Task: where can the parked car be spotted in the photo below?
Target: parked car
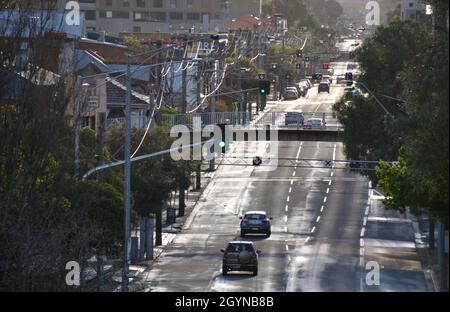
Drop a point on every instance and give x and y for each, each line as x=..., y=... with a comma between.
x=255, y=222
x=306, y=82
x=314, y=123
x=240, y=256
x=324, y=86
x=290, y=94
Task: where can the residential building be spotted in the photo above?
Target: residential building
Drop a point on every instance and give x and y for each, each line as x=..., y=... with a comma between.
x=412, y=10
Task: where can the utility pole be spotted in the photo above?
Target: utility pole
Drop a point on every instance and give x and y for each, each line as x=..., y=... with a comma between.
x=100, y=129
x=183, y=87
x=127, y=199
x=77, y=126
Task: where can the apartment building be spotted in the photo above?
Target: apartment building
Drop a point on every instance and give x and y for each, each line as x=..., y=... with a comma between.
x=169, y=16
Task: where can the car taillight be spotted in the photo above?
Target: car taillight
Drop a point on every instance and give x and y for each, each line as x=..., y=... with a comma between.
x=265, y=221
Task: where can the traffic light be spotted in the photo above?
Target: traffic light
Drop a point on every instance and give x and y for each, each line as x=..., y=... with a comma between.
x=299, y=53
x=264, y=87
x=257, y=161
x=326, y=66
x=223, y=143
x=298, y=66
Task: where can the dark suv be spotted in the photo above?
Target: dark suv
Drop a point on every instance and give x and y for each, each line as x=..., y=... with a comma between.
x=324, y=87
x=255, y=222
x=240, y=256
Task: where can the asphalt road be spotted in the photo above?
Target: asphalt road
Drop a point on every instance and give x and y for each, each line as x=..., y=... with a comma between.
x=318, y=220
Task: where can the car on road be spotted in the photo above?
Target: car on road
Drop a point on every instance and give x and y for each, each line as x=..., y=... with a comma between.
x=307, y=82
x=341, y=79
x=317, y=77
x=324, y=86
x=255, y=222
x=327, y=77
x=290, y=94
x=293, y=88
x=240, y=256
x=314, y=124
x=295, y=118
x=302, y=88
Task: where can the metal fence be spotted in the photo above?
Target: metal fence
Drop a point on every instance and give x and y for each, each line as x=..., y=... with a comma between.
x=277, y=120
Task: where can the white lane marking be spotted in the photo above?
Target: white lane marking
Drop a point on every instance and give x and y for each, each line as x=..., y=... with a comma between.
x=367, y=211
x=334, y=155
x=285, y=229
x=290, y=190
x=292, y=182
x=329, y=183
x=365, y=221
x=368, y=201
x=293, y=174
x=361, y=242
x=313, y=229
x=325, y=199
x=286, y=208
x=328, y=190
x=285, y=218
x=287, y=248
x=318, y=219
x=307, y=239
x=321, y=208
x=370, y=184
x=288, y=198
x=361, y=252
x=332, y=173
x=363, y=230
x=299, y=151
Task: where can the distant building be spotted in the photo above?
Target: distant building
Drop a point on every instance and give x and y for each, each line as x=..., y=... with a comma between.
x=412, y=10
x=173, y=16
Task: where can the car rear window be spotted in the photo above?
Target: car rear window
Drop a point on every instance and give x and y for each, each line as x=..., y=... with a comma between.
x=239, y=248
x=254, y=217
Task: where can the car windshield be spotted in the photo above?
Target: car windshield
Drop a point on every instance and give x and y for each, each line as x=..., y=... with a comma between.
x=239, y=248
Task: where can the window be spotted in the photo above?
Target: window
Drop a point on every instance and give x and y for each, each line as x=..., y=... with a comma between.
x=189, y=4
x=223, y=4
x=411, y=4
x=193, y=16
x=157, y=16
x=126, y=3
x=137, y=29
x=140, y=3
x=90, y=15
x=138, y=16
x=173, y=4
x=108, y=2
x=158, y=4
x=176, y=16
x=115, y=14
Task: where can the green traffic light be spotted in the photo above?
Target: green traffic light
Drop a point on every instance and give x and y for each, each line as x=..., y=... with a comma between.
x=222, y=144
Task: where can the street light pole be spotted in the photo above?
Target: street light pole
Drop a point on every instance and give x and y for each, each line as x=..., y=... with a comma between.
x=127, y=199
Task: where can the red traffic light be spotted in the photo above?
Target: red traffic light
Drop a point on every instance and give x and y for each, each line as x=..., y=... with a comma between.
x=326, y=66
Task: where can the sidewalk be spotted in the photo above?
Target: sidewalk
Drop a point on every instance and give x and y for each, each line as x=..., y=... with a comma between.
x=393, y=241
x=169, y=232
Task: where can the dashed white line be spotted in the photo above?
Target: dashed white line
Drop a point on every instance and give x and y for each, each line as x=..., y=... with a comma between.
x=365, y=221
x=318, y=219
x=367, y=211
x=370, y=184
x=332, y=173
x=293, y=174
x=321, y=208
x=285, y=229
x=313, y=229
x=292, y=182
x=325, y=199
x=368, y=201
x=307, y=239
x=287, y=248
x=361, y=242
x=328, y=190
x=286, y=208
x=329, y=183
x=285, y=218
x=290, y=190
x=288, y=198
x=363, y=230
